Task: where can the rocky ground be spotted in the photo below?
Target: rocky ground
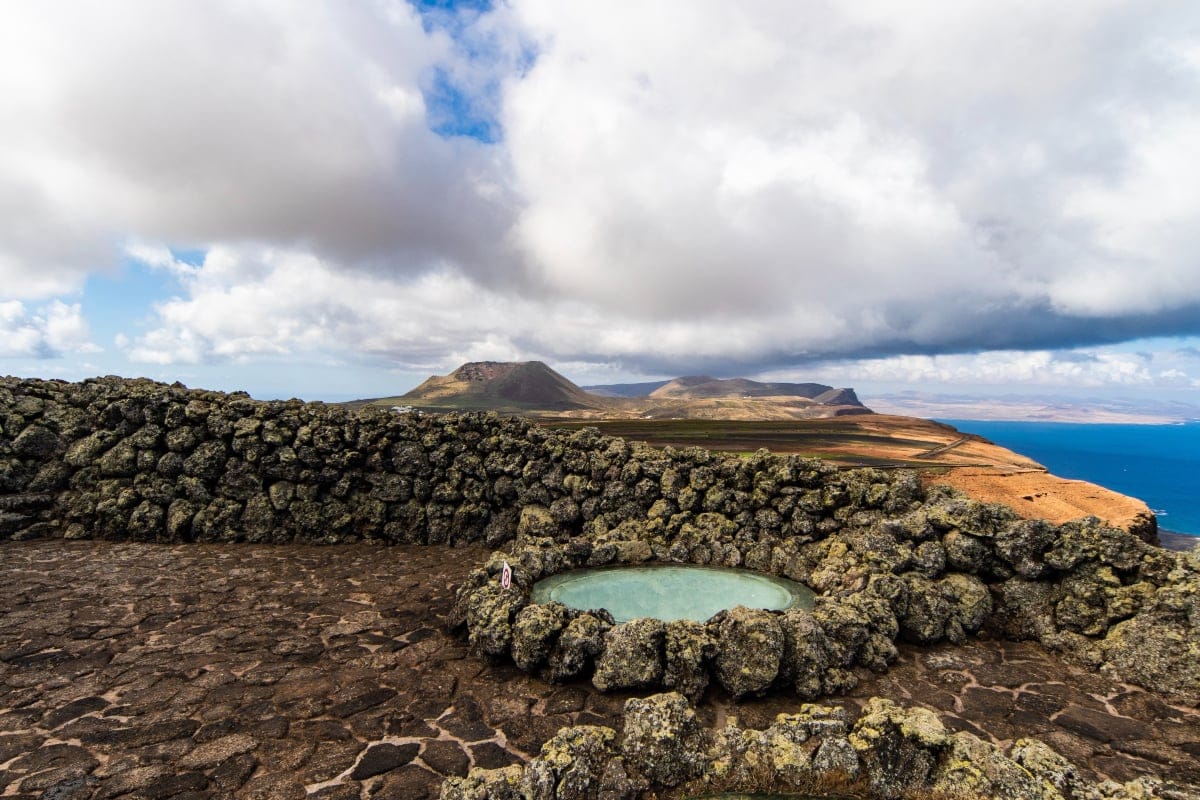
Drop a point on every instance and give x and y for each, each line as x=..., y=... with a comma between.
x=193, y=671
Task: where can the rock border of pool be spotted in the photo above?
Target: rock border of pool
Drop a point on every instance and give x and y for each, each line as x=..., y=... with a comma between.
x=1103, y=596
x=746, y=651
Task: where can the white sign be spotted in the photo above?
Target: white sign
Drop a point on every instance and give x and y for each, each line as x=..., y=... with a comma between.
x=506, y=576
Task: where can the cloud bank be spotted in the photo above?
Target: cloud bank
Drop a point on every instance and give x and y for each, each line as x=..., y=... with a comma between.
x=50, y=331
x=1077, y=369
x=215, y=122
x=680, y=187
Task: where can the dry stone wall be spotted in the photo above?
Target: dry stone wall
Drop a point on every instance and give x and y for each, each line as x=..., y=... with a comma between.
x=136, y=460
x=890, y=752
x=132, y=459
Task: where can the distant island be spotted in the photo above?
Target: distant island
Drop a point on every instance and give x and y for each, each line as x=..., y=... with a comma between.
x=533, y=388
x=1032, y=408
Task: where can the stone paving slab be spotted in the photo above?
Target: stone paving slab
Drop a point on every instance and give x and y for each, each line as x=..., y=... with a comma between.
x=243, y=671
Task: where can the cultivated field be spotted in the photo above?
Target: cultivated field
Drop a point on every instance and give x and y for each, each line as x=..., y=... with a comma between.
x=867, y=440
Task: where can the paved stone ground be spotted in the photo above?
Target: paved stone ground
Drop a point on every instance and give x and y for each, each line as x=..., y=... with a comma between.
x=239, y=671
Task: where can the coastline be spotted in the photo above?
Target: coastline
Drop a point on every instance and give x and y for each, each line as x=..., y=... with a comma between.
x=1031, y=410
x=1154, y=464
x=1040, y=494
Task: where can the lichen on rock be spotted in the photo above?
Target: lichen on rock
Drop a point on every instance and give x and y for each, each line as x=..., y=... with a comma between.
x=632, y=657
x=534, y=631
x=891, y=752
x=898, y=747
x=688, y=648
x=663, y=740
x=749, y=651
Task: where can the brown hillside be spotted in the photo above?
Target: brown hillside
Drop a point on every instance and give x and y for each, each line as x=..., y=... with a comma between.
x=535, y=389
x=528, y=385
x=1041, y=495
x=702, y=387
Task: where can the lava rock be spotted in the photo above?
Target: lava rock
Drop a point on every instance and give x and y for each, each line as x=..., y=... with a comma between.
x=688, y=649
x=897, y=747
x=632, y=656
x=663, y=740
x=750, y=644
x=384, y=757
x=534, y=631
x=581, y=640
x=570, y=764
x=976, y=767
x=490, y=614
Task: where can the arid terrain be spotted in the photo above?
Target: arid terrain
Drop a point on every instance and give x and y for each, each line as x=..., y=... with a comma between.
x=1035, y=409
x=276, y=672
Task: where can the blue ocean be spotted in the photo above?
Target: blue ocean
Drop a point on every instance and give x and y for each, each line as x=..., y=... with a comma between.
x=1159, y=464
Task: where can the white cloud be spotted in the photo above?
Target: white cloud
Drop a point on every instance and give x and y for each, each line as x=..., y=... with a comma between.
x=1076, y=368
x=50, y=331
x=246, y=303
x=679, y=186
x=195, y=123
x=1142, y=223
x=243, y=305
x=927, y=175
x=160, y=257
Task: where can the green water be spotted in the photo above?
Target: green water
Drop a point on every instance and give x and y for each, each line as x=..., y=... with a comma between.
x=670, y=591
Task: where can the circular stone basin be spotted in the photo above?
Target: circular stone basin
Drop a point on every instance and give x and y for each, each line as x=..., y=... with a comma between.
x=670, y=591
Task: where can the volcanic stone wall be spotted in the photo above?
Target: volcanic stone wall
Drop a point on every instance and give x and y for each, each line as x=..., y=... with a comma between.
x=137, y=460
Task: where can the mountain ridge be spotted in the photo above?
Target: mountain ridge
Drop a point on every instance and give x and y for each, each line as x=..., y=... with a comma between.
x=696, y=387
x=533, y=387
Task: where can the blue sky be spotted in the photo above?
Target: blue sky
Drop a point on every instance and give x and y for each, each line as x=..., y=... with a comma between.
x=334, y=201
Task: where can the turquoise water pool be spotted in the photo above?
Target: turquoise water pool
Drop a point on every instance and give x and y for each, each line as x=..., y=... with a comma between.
x=670, y=591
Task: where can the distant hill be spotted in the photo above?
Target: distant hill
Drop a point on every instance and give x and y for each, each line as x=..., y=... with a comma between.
x=531, y=387
x=625, y=389
x=702, y=387
x=500, y=385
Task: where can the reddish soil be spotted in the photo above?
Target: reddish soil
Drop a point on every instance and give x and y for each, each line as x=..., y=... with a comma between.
x=1040, y=495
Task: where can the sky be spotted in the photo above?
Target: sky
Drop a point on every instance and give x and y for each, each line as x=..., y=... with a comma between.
x=332, y=200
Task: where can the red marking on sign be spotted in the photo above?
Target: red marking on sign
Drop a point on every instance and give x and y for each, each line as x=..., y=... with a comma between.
x=506, y=576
